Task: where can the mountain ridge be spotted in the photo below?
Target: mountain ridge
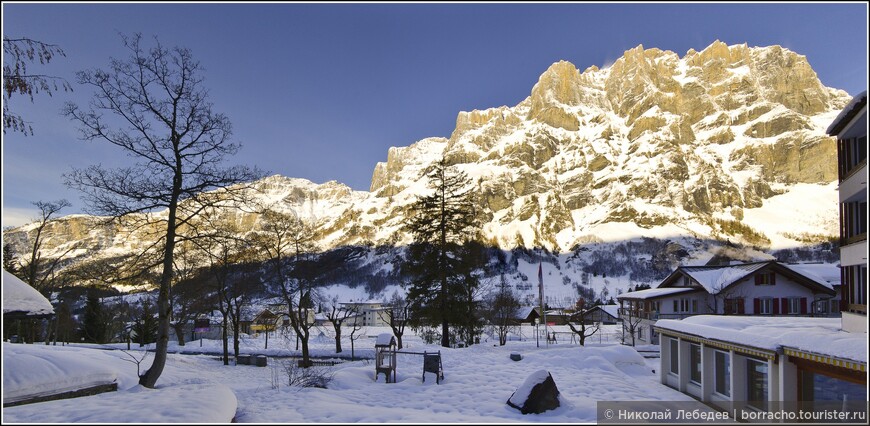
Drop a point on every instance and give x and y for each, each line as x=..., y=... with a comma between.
x=652, y=146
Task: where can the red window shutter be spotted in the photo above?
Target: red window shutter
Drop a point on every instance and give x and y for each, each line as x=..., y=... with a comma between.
x=775, y=304
x=740, y=308
x=772, y=278
x=757, y=279
x=728, y=304
x=803, y=305
x=756, y=304
x=784, y=305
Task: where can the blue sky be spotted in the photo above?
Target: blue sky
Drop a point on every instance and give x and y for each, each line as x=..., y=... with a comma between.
x=321, y=91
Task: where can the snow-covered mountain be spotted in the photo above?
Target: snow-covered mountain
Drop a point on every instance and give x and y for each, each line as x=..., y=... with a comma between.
x=722, y=146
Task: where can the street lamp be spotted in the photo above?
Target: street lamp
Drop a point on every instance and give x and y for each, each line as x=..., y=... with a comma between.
x=537, y=321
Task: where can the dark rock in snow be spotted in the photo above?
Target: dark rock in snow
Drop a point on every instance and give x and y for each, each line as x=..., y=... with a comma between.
x=536, y=395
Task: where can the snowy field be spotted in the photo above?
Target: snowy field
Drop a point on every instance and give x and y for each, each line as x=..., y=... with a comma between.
x=478, y=382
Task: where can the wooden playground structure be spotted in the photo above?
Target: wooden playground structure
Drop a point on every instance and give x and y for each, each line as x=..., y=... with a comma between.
x=386, y=360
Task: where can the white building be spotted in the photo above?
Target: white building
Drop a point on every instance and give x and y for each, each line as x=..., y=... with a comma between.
x=850, y=128
x=757, y=288
x=758, y=361
x=371, y=313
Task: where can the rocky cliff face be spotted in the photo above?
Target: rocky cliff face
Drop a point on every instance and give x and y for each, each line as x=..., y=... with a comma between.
x=706, y=146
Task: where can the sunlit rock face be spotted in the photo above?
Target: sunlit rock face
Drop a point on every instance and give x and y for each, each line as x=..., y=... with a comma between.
x=653, y=141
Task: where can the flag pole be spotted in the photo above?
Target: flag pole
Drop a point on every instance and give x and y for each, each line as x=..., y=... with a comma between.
x=541, y=298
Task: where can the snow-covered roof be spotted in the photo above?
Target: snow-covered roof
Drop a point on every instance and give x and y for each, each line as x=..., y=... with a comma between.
x=20, y=298
x=847, y=114
x=368, y=302
x=612, y=310
x=384, y=339
x=823, y=273
x=715, y=278
x=524, y=311
x=822, y=336
x=655, y=292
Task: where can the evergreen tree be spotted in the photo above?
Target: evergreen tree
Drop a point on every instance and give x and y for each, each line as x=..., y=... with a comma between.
x=94, y=322
x=438, y=262
x=145, y=326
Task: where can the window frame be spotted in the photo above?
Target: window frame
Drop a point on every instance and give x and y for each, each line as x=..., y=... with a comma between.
x=726, y=356
x=765, y=302
x=695, y=365
x=750, y=391
x=794, y=306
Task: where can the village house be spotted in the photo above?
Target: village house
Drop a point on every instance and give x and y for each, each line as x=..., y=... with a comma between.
x=754, y=288
x=764, y=362
x=527, y=315
x=604, y=314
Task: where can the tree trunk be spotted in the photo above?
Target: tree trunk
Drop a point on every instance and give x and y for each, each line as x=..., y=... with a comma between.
x=306, y=356
x=337, y=337
x=179, y=333
x=149, y=379
x=225, y=338
x=236, y=332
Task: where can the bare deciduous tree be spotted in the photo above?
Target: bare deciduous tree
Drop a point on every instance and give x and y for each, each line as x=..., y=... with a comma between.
x=396, y=315
x=337, y=315
x=287, y=241
x=502, y=307
x=585, y=327
x=161, y=117
x=18, y=80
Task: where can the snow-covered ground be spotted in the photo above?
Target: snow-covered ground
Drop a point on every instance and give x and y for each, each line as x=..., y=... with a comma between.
x=478, y=382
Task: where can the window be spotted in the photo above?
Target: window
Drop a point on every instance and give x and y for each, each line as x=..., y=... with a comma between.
x=856, y=282
x=676, y=305
x=822, y=306
x=734, y=306
x=819, y=387
x=765, y=306
x=756, y=383
x=695, y=362
x=765, y=279
x=675, y=356
x=794, y=305
x=852, y=152
x=722, y=373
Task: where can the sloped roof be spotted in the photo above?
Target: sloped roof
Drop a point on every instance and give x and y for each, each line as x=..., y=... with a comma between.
x=524, y=311
x=846, y=115
x=384, y=339
x=825, y=274
x=612, y=310
x=715, y=278
x=20, y=299
x=655, y=292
